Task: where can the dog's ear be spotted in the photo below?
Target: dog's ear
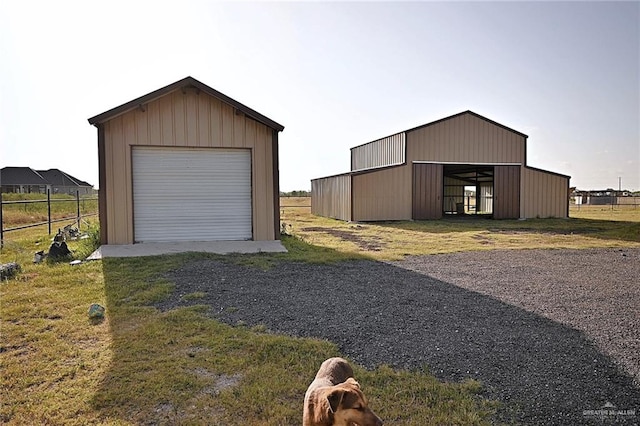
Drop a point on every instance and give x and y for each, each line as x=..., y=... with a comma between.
x=353, y=382
x=335, y=398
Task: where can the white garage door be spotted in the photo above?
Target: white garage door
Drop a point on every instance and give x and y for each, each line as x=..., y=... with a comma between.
x=191, y=194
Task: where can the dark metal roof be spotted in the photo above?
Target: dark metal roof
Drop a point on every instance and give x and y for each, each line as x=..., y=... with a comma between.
x=28, y=176
x=178, y=85
x=59, y=178
x=21, y=176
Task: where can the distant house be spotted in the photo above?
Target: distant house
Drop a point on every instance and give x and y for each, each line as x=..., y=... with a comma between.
x=25, y=180
x=63, y=183
x=600, y=197
x=22, y=180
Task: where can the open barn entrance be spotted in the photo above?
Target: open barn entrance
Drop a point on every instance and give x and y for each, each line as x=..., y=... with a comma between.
x=468, y=190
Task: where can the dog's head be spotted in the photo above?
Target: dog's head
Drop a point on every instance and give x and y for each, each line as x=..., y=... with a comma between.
x=348, y=406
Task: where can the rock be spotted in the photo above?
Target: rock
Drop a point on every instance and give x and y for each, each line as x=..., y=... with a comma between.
x=8, y=270
x=96, y=311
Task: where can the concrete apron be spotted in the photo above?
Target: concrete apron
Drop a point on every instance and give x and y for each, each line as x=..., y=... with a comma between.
x=218, y=247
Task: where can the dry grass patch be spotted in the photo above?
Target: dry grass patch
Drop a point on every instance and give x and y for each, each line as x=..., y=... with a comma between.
x=615, y=213
x=144, y=366
x=395, y=240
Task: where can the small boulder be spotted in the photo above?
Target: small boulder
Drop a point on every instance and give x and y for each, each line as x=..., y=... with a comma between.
x=8, y=270
x=96, y=311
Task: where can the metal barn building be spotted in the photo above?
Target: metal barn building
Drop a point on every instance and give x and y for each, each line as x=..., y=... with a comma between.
x=187, y=163
x=460, y=165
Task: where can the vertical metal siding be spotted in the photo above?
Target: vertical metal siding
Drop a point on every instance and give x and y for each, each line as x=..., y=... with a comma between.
x=427, y=191
x=506, y=199
x=465, y=139
x=380, y=153
x=544, y=194
x=169, y=122
x=331, y=197
x=382, y=194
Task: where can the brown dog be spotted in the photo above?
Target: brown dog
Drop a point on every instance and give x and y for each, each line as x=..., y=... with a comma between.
x=334, y=398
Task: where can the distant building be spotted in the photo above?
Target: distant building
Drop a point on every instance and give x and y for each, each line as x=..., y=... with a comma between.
x=25, y=180
x=460, y=165
x=599, y=197
x=63, y=183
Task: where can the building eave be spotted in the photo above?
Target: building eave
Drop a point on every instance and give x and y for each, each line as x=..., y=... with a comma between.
x=180, y=85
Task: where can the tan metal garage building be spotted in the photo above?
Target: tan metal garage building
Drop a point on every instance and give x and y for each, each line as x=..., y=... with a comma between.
x=460, y=165
x=187, y=163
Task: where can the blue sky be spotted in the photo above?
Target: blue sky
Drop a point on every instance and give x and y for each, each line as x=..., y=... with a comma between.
x=336, y=75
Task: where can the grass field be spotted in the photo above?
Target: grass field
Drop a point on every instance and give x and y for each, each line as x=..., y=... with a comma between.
x=62, y=206
x=143, y=366
x=586, y=228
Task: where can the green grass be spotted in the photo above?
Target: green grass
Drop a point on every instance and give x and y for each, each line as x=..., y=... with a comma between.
x=588, y=228
x=144, y=366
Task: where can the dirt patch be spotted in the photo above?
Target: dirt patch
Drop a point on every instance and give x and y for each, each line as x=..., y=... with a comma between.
x=221, y=382
x=371, y=243
x=483, y=239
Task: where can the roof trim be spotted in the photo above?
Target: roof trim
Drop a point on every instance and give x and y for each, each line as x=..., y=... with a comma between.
x=185, y=82
x=548, y=172
x=362, y=171
x=475, y=115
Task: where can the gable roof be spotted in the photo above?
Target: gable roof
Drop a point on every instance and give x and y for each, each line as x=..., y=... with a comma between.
x=445, y=119
x=59, y=178
x=181, y=84
x=21, y=176
x=473, y=114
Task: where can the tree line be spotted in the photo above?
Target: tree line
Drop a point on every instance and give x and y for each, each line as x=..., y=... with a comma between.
x=299, y=193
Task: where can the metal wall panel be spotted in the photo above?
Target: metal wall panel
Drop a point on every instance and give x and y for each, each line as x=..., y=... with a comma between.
x=185, y=119
x=506, y=196
x=382, y=194
x=331, y=197
x=191, y=194
x=544, y=194
x=383, y=152
x=427, y=191
x=465, y=139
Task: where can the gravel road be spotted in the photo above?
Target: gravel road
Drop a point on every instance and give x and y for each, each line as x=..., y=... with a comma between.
x=553, y=334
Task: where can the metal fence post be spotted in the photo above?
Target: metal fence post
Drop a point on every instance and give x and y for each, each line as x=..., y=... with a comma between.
x=1, y=225
x=49, y=209
x=78, y=205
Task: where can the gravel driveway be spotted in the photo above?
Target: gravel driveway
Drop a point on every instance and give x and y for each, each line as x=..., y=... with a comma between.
x=550, y=333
